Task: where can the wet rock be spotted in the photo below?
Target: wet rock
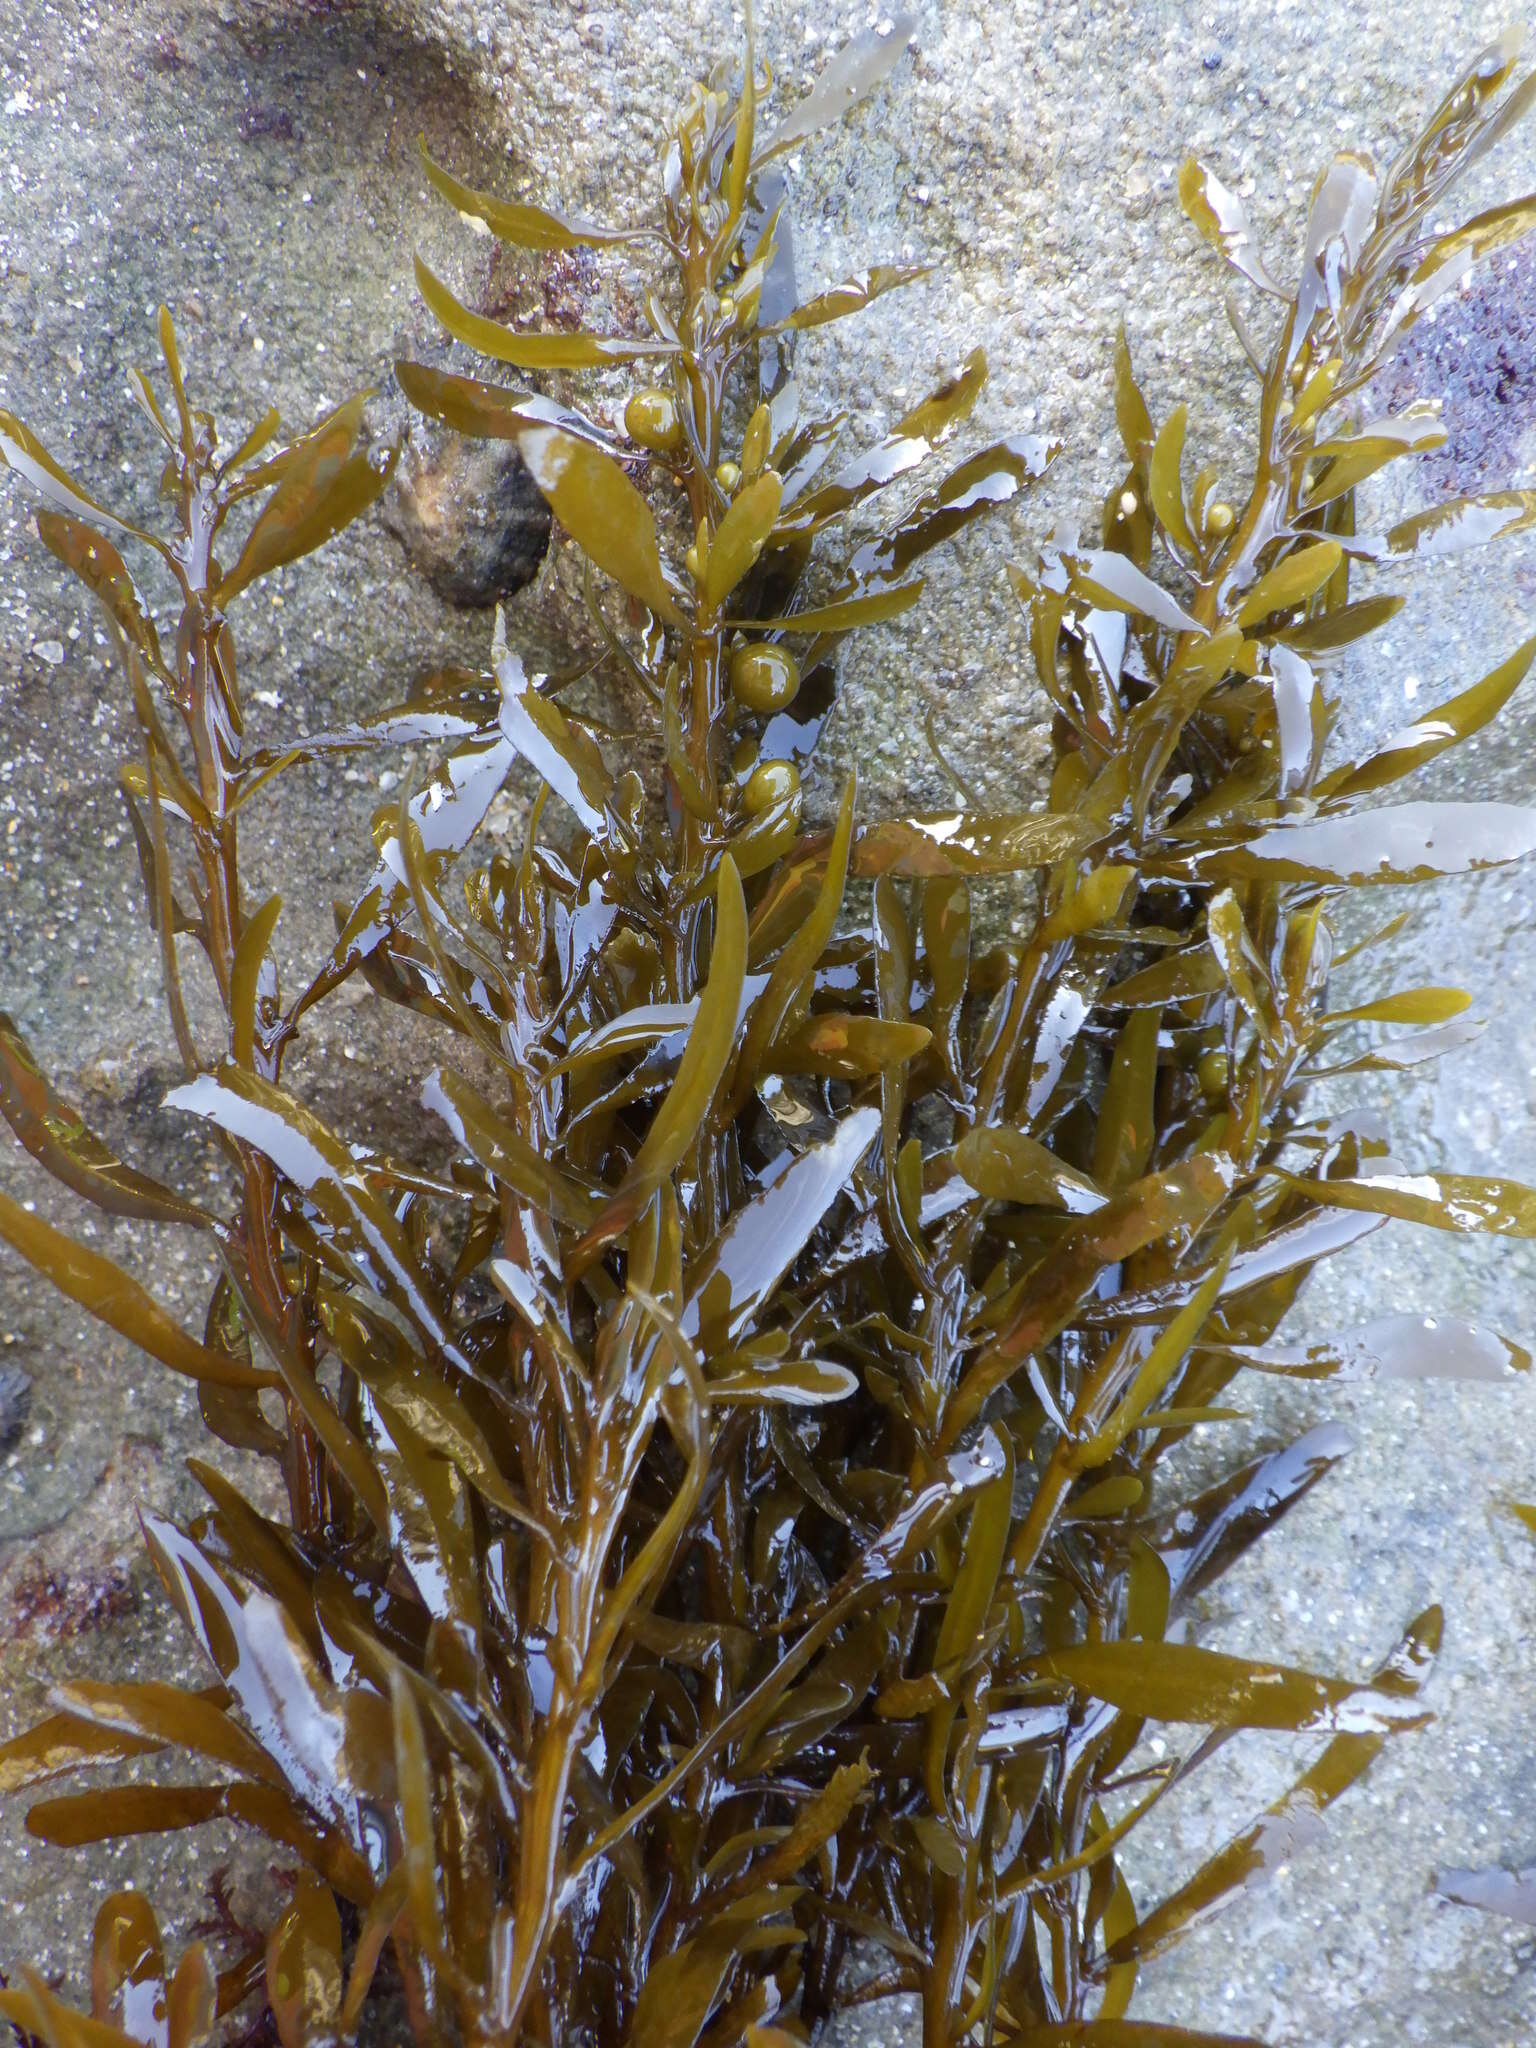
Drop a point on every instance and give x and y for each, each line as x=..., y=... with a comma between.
x=469, y=518
x=78, y=1577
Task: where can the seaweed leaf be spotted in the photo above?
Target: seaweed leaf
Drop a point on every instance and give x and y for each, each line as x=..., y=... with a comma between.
x=557, y=351
x=527, y=227
x=22, y=453
x=1222, y=218
x=489, y=411
x=710, y=1038
x=1252, y=1857
x=598, y=505
x=325, y=486
x=852, y=75
x=1181, y=1682
x=855, y=293
x=54, y=1132
x=1445, y=1201
x=116, y=1299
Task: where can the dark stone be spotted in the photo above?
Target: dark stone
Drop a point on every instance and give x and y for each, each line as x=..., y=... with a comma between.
x=260, y=120
x=469, y=517
x=15, y=1405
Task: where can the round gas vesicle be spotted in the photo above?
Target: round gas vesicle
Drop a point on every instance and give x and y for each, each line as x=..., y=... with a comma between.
x=769, y=784
x=651, y=419
x=764, y=677
x=1212, y=1074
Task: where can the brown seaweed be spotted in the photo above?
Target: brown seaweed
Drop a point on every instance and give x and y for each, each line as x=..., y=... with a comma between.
x=719, y=1524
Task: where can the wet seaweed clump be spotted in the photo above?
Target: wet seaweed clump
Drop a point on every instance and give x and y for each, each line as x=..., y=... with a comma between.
x=720, y=1540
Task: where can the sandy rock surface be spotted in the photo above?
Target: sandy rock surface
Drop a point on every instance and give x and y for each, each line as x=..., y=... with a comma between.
x=252, y=165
